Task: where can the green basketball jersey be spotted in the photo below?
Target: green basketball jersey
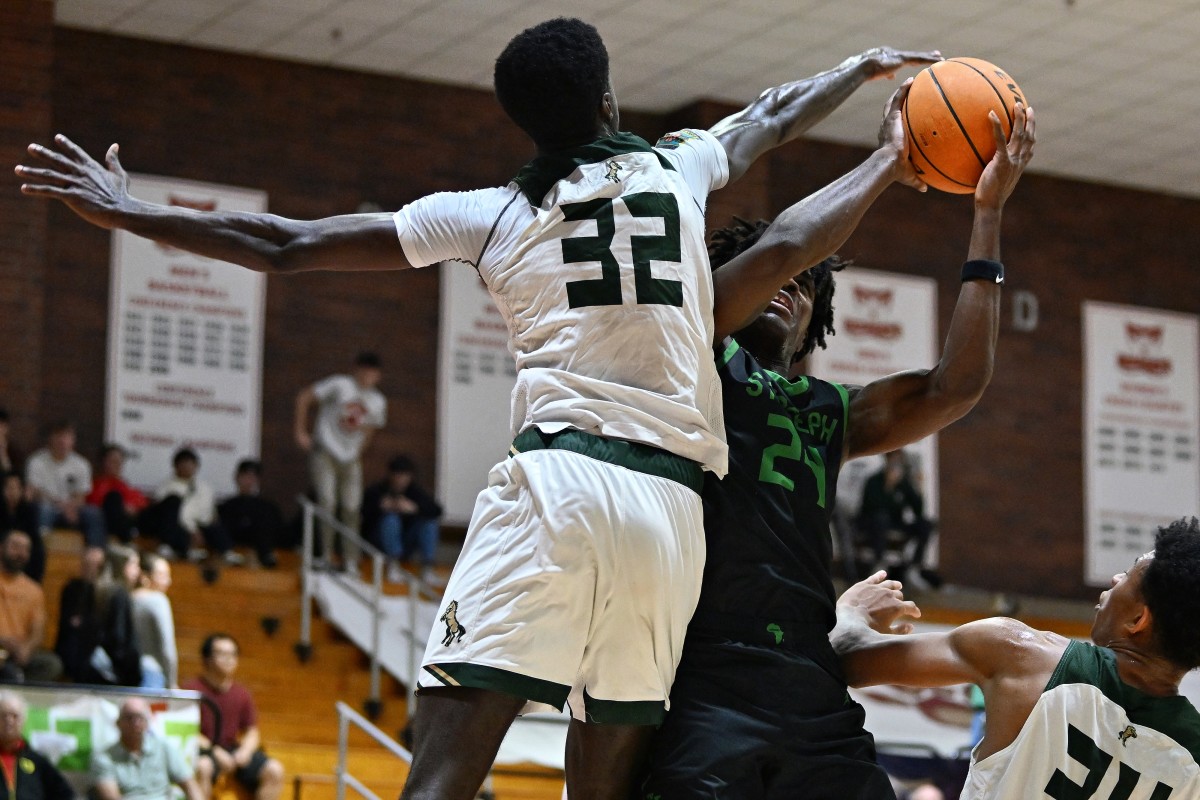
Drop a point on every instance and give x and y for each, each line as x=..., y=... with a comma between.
x=1091, y=735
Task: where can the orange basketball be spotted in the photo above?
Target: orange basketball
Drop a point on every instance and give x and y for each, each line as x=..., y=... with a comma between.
x=946, y=113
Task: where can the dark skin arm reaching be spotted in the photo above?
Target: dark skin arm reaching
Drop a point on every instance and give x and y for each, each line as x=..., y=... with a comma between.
x=903, y=408
x=809, y=231
x=260, y=242
x=781, y=114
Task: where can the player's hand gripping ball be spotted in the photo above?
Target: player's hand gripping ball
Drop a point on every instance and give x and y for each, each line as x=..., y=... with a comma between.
x=949, y=134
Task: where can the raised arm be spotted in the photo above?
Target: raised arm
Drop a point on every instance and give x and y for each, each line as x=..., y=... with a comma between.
x=811, y=230
x=781, y=114
x=903, y=408
x=261, y=242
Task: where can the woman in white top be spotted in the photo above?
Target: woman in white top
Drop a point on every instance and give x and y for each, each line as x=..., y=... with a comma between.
x=154, y=622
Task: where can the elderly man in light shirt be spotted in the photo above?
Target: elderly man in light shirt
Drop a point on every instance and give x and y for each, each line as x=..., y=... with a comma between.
x=141, y=765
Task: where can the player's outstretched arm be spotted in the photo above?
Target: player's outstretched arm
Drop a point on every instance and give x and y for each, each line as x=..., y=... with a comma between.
x=903, y=408
x=261, y=242
x=811, y=230
x=784, y=112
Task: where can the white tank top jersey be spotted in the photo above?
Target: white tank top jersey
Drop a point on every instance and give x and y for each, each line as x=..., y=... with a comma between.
x=1091, y=735
x=597, y=261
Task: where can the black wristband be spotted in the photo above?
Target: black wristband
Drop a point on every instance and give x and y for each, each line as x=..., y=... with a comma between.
x=981, y=269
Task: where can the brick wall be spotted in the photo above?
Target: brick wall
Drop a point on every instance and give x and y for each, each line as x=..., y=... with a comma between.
x=321, y=141
x=26, y=56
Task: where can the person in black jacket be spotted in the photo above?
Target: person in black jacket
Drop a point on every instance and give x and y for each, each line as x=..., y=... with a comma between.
x=28, y=775
x=892, y=501
x=18, y=514
x=401, y=519
x=251, y=518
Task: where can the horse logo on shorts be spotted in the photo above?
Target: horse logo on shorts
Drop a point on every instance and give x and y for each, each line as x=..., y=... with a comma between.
x=454, y=629
x=1130, y=732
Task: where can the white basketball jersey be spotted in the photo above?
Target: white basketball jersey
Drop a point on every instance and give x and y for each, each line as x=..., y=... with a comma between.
x=597, y=261
x=1091, y=735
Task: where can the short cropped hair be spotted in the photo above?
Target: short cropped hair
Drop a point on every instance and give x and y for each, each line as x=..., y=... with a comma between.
x=206, y=647
x=551, y=79
x=726, y=243
x=369, y=359
x=401, y=464
x=184, y=454
x=1171, y=589
x=249, y=465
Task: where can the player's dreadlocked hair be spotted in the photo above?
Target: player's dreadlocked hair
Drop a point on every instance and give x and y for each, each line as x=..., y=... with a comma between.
x=551, y=79
x=1171, y=588
x=725, y=243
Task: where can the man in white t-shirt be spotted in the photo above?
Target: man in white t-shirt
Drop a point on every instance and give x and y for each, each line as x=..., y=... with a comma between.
x=582, y=562
x=59, y=479
x=349, y=410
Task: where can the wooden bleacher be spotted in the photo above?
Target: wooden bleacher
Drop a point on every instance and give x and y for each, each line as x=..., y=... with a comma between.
x=295, y=701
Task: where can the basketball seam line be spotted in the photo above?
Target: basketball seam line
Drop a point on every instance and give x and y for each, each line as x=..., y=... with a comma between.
x=999, y=95
x=913, y=142
x=958, y=121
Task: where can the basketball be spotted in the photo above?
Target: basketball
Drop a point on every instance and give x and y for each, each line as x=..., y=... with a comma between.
x=946, y=114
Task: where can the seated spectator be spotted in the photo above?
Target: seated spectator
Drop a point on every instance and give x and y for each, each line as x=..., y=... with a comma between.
x=22, y=617
x=118, y=501
x=12, y=459
x=59, y=479
x=891, y=501
x=28, y=775
x=235, y=748
x=141, y=765
x=17, y=513
x=184, y=515
x=117, y=659
x=401, y=519
x=154, y=622
x=78, y=635
x=249, y=517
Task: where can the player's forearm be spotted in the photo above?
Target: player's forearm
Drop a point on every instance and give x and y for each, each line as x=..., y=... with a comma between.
x=782, y=113
x=852, y=639
x=800, y=237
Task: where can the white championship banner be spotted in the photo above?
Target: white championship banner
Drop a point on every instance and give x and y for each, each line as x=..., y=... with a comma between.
x=476, y=375
x=185, y=343
x=68, y=725
x=1141, y=427
x=885, y=323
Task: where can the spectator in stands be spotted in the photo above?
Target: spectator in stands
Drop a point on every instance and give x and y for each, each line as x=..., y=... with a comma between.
x=28, y=775
x=401, y=518
x=78, y=634
x=251, y=518
x=59, y=479
x=22, y=617
x=236, y=747
x=18, y=513
x=349, y=410
x=118, y=501
x=892, y=501
x=184, y=514
x=141, y=765
x=117, y=659
x=12, y=459
x=154, y=621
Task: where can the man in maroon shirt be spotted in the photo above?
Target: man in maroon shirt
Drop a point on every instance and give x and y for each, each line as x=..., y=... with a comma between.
x=235, y=747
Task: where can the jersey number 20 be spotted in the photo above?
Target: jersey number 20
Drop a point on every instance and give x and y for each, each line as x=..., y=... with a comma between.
x=606, y=290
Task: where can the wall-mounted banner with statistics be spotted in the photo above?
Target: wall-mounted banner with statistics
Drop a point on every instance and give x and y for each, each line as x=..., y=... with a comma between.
x=185, y=345
x=476, y=375
x=886, y=323
x=1141, y=430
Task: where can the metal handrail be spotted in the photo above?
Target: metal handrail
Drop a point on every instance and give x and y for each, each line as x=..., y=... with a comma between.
x=346, y=717
x=417, y=589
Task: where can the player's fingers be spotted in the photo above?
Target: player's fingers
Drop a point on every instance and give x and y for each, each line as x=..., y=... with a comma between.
x=902, y=628
x=998, y=132
x=878, y=577
x=893, y=585
x=54, y=157
x=47, y=175
x=911, y=609
x=44, y=190
x=72, y=149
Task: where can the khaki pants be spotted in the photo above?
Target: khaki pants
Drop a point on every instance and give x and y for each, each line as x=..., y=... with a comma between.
x=339, y=491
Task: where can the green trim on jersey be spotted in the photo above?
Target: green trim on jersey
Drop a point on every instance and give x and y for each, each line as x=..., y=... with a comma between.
x=1097, y=666
x=537, y=178
x=845, y=404
x=481, y=676
x=644, y=458
x=730, y=352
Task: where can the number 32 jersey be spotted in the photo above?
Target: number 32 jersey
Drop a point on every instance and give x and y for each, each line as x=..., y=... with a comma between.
x=596, y=259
